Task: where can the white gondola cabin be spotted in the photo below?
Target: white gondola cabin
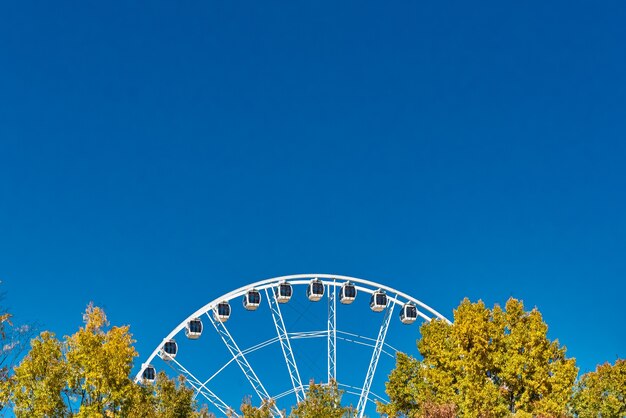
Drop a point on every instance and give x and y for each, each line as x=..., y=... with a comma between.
x=347, y=293
x=378, y=301
x=193, y=329
x=283, y=292
x=315, y=290
x=149, y=374
x=222, y=311
x=169, y=350
x=252, y=300
x=408, y=315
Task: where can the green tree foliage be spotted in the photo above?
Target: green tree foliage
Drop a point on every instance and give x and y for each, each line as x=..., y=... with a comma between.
x=602, y=393
x=488, y=363
x=88, y=375
x=322, y=401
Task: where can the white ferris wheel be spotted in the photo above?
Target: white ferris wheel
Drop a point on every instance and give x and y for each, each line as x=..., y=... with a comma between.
x=221, y=371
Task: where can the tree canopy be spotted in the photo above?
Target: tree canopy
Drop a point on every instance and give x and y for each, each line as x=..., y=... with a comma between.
x=38, y=386
x=602, y=393
x=88, y=375
x=487, y=363
x=250, y=411
x=13, y=339
x=322, y=400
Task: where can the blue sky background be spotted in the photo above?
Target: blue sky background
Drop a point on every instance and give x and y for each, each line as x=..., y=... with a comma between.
x=155, y=155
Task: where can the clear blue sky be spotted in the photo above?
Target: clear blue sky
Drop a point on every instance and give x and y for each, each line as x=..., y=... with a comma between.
x=448, y=149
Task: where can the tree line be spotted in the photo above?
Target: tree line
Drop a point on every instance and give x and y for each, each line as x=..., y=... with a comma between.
x=489, y=362
x=499, y=363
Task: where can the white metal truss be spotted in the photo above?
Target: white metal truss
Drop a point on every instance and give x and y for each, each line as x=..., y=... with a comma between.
x=352, y=390
x=330, y=280
x=371, y=370
x=332, y=332
x=365, y=286
x=285, y=344
x=201, y=388
x=214, y=399
x=238, y=355
x=299, y=335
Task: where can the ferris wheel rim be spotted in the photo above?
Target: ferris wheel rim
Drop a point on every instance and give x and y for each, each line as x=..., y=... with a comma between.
x=329, y=279
x=332, y=282
x=295, y=279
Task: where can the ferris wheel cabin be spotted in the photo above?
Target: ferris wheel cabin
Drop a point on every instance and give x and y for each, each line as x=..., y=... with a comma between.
x=252, y=300
x=149, y=374
x=283, y=292
x=169, y=350
x=222, y=311
x=408, y=315
x=315, y=290
x=193, y=329
x=378, y=301
x=347, y=295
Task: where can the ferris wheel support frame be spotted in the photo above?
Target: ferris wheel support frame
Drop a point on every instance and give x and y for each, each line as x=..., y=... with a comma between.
x=371, y=370
x=331, y=281
x=285, y=344
x=201, y=389
x=241, y=359
x=332, y=332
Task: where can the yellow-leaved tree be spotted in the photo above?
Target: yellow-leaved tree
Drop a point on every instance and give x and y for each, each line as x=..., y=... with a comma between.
x=40, y=380
x=322, y=400
x=487, y=363
x=88, y=375
x=266, y=410
x=602, y=393
x=13, y=339
x=99, y=363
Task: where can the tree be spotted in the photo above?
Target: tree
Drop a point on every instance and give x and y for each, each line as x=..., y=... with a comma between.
x=173, y=398
x=141, y=403
x=4, y=384
x=488, y=363
x=602, y=393
x=403, y=387
x=99, y=364
x=322, y=400
x=39, y=381
x=433, y=410
x=263, y=411
x=168, y=398
x=13, y=339
x=88, y=375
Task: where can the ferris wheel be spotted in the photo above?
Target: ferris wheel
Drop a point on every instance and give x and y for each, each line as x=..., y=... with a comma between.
x=211, y=370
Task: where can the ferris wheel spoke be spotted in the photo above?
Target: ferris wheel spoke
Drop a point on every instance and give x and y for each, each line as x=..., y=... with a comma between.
x=201, y=388
x=392, y=355
x=215, y=400
x=342, y=288
x=371, y=370
x=332, y=332
x=241, y=360
x=373, y=397
x=285, y=344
